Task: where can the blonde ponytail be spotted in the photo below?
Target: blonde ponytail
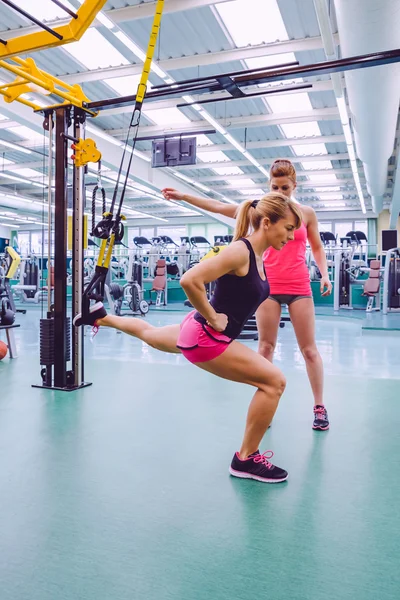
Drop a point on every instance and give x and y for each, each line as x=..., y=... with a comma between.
x=243, y=220
x=273, y=206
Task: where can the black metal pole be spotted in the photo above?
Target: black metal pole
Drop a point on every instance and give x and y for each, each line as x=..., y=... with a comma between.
x=60, y=249
x=77, y=254
x=250, y=78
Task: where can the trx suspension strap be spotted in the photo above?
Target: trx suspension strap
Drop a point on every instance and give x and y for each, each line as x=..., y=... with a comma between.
x=111, y=229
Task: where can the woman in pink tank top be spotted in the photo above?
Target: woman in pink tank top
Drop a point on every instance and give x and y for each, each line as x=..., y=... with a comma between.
x=289, y=281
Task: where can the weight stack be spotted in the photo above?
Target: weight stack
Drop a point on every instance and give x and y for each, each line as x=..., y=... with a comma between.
x=47, y=341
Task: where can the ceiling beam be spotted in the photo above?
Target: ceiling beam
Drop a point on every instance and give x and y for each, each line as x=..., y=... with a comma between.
x=320, y=139
x=263, y=161
x=198, y=60
x=317, y=114
x=318, y=86
x=259, y=175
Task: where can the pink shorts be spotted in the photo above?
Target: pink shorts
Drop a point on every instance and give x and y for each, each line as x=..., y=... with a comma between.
x=200, y=343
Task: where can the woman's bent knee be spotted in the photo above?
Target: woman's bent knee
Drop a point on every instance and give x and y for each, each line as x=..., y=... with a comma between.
x=310, y=353
x=266, y=349
x=275, y=383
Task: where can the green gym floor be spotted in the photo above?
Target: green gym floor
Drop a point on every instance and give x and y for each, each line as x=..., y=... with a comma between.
x=121, y=491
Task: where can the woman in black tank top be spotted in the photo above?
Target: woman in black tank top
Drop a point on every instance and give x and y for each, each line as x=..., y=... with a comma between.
x=211, y=330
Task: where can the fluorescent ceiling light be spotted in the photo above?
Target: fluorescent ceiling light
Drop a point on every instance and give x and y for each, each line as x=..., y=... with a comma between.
x=28, y=173
x=27, y=134
x=158, y=71
x=286, y=103
x=5, y=161
x=101, y=17
x=214, y=156
x=20, y=179
x=103, y=134
x=134, y=48
x=234, y=143
x=251, y=23
x=244, y=182
x=322, y=178
x=316, y=165
x=126, y=86
x=95, y=52
x=309, y=149
x=296, y=130
x=213, y=122
x=332, y=188
x=166, y=116
x=201, y=186
x=203, y=140
x=228, y=171
x=255, y=192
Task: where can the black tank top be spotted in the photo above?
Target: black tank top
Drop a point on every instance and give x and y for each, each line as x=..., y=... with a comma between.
x=238, y=297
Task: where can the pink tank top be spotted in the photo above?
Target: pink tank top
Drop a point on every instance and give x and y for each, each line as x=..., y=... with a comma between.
x=286, y=269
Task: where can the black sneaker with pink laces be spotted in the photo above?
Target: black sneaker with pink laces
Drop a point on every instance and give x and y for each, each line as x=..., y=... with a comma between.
x=257, y=466
x=96, y=311
x=321, y=421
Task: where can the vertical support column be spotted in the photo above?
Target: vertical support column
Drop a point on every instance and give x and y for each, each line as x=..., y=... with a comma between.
x=60, y=249
x=77, y=256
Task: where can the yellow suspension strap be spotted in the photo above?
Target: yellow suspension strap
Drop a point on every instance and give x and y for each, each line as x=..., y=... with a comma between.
x=110, y=229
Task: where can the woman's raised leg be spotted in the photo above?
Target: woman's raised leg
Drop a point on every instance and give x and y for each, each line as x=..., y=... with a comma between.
x=161, y=338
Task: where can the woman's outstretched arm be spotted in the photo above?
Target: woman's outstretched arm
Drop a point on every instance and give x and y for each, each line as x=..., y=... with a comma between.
x=214, y=206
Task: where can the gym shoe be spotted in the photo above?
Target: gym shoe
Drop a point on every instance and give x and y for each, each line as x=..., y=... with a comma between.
x=96, y=311
x=321, y=421
x=257, y=466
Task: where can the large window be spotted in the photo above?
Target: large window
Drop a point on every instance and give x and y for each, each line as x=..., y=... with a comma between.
x=361, y=226
x=132, y=233
x=24, y=242
x=342, y=228
x=36, y=242
x=148, y=232
x=175, y=233
x=325, y=226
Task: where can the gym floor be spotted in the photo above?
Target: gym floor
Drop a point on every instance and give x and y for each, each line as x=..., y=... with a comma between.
x=121, y=490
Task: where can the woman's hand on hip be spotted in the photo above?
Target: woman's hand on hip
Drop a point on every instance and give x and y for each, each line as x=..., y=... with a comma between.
x=326, y=286
x=219, y=322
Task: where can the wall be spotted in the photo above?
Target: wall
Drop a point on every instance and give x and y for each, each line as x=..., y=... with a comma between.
x=5, y=232
x=383, y=223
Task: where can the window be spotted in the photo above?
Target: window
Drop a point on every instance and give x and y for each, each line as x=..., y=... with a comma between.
x=342, y=228
x=361, y=226
x=24, y=242
x=175, y=233
x=36, y=243
x=132, y=233
x=147, y=232
x=214, y=230
x=325, y=226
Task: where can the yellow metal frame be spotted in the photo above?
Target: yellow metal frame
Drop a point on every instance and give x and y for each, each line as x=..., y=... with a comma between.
x=71, y=32
x=15, y=261
x=31, y=79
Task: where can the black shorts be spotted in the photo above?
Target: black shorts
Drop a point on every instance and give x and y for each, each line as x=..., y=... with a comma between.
x=287, y=298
